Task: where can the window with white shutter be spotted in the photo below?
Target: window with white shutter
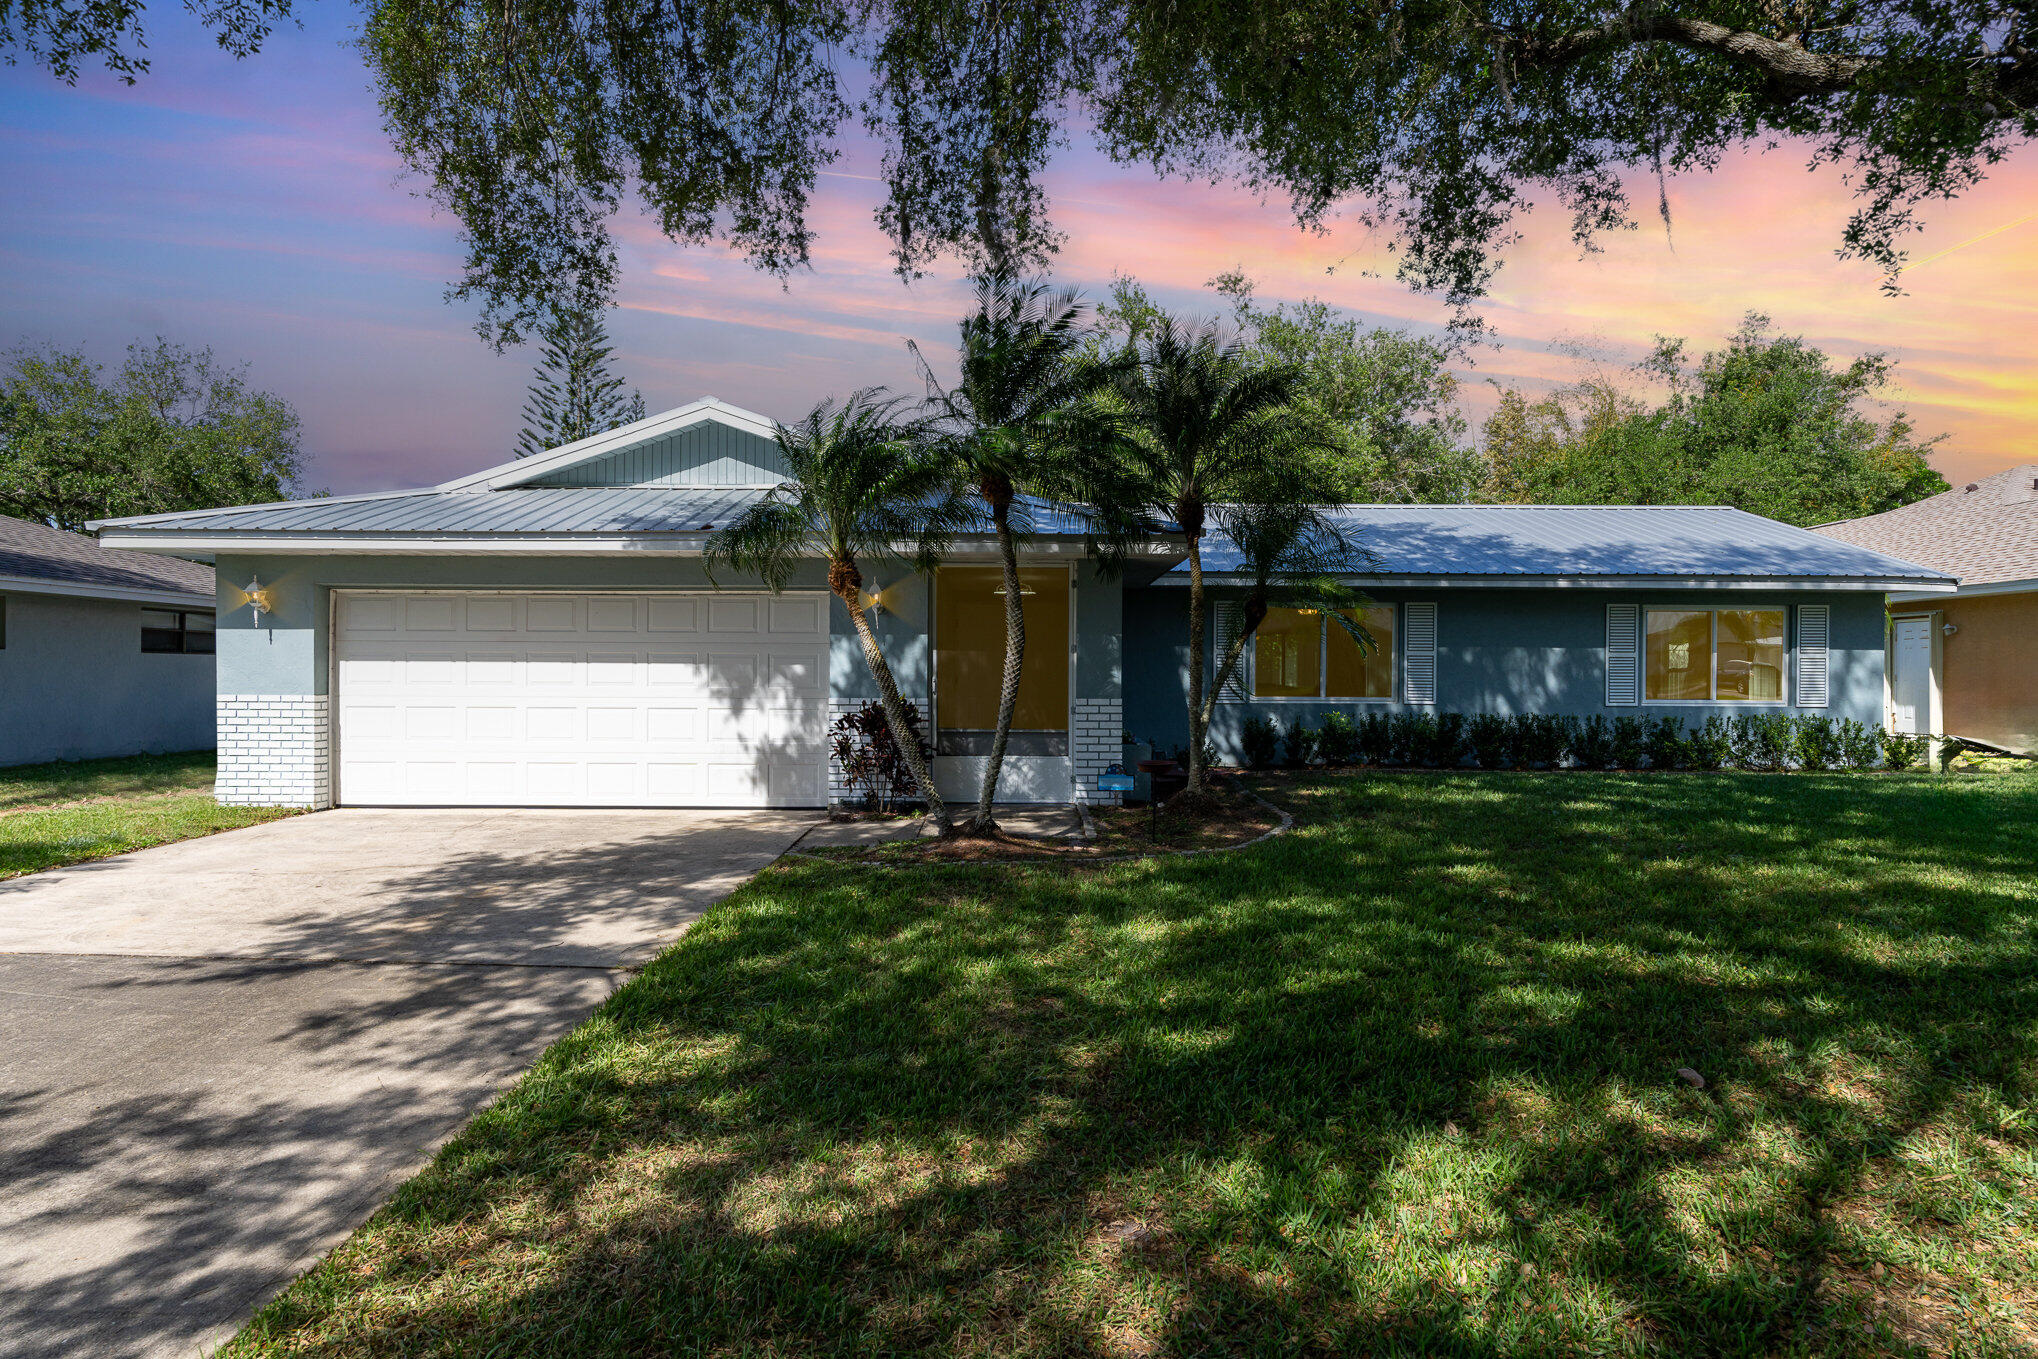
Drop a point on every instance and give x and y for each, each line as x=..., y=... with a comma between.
x=1419, y=653
x=1227, y=616
x=1623, y=655
x=1814, y=633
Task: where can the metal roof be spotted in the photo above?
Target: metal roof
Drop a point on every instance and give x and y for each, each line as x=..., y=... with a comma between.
x=1571, y=541
x=547, y=511
x=1983, y=531
x=32, y=552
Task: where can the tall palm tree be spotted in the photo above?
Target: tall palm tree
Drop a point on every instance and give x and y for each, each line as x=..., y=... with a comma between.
x=1212, y=427
x=1294, y=555
x=1021, y=418
x=862, y=485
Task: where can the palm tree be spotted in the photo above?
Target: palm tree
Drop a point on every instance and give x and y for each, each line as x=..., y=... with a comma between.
x=863, y=485
x=1291, y=554
x=1212, y=427
x=1021, y=418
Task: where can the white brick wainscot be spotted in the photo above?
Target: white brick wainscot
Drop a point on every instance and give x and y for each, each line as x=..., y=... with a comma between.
x=1096, y=743
x=274, y=751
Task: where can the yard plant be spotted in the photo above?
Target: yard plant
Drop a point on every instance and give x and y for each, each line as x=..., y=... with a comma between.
x=1407, y=1080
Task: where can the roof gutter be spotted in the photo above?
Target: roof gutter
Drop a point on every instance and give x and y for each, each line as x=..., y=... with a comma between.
x=33, y=585
x=286, y=541
x=1911, y=595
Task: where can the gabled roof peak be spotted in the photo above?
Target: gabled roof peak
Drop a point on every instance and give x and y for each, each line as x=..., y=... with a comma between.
x=520, y=471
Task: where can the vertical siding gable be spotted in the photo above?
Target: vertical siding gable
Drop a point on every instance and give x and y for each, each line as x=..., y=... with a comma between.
x=707, y=454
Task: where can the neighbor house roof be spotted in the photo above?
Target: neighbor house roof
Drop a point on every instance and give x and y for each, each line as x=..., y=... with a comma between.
x=38, y=559
x=1601, y=545
x=1985, y=532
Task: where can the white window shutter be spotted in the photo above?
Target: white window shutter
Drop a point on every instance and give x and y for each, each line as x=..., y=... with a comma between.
x=1814, y=637
x=1419, y=653
x=1228, y=616
x=1623, y=655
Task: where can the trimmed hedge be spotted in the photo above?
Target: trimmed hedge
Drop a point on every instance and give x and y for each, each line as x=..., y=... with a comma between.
x=1770, y=742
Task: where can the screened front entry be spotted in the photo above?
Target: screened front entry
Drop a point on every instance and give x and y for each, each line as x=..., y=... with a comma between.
x=969, y=668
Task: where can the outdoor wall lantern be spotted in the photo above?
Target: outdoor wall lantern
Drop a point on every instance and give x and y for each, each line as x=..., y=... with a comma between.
x=256, y=596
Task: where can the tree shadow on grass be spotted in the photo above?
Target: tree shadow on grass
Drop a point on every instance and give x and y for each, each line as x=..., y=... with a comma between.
x=1401, y=1082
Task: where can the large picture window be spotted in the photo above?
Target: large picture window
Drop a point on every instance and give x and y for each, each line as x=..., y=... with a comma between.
x=1714, y=656
x=1303, y=653
x=969, y=660
x=175, y=630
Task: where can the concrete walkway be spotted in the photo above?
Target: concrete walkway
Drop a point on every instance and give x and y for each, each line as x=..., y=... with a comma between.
x=221, y=1055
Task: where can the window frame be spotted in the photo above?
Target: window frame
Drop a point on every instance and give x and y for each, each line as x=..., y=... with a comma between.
x=1249, y=662
x=184, y=631
x=1712, y=613
x=932, y=714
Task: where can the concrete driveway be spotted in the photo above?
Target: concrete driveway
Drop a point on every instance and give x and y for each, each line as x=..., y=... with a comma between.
x=221, y=1055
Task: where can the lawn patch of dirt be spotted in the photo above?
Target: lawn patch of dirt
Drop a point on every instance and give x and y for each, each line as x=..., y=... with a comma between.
x=1231, y=817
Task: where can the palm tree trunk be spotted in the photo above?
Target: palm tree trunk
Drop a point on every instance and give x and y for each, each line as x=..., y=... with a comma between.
x=895, y=710
x=1199, y=722
x=1015, y=657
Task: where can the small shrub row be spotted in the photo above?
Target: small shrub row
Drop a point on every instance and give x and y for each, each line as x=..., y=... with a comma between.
x=1759, y=741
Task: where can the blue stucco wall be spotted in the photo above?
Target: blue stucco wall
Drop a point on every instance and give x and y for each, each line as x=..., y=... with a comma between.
x=1500, y=651
x=75, y=684
x=286, y=654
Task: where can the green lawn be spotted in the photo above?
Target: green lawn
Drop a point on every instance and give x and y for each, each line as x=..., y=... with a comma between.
x=65, y=813
x=1401, y=1082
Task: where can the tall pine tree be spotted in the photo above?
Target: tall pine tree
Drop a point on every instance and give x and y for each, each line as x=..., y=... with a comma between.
x=573, y=393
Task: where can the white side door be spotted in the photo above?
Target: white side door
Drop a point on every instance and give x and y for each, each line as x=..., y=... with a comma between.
x=1910, y=684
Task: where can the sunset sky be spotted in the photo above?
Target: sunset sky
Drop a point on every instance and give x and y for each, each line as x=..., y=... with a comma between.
x=256, y=207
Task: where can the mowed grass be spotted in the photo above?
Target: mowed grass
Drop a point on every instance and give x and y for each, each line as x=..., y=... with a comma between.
x=68, y=812
x=1402, y=1082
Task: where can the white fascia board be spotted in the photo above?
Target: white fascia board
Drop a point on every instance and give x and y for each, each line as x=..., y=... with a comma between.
x=522, y=470
x=24, y=585
x=1911, y=595
x=1878, y=584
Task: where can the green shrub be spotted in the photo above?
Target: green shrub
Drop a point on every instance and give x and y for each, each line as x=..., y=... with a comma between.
x=1762, y=742
x=1540, y=739
x=1592, y=742
x=1301, y=745
x=1337, y=740
x=1260, y=742
x=1664, y=743
x=1491, y=737
x=1710, y=746
x=1414, y=736
x=1859, y=747
x=1815, y=743
x=1630, y=742
x=1447, y=741
x=1903, y=752
x=1376, y=738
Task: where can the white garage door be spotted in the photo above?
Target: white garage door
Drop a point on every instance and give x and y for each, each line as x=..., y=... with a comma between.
x=595, y=700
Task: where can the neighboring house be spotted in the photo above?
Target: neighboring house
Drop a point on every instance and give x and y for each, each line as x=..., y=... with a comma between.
x=102, y=652
x=543, y=633
x=1964, y=664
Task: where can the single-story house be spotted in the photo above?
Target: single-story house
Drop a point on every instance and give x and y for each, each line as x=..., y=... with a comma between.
x=542, y=632
x=1962, y=664
x=102, y=651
